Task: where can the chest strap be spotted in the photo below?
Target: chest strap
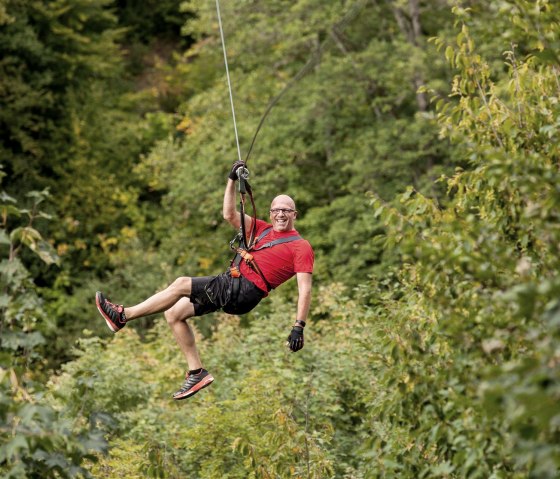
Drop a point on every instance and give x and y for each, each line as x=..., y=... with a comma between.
x=243, y=254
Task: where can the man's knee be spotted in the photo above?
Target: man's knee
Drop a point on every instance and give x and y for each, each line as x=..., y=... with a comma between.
x=170, y=317
x=182, y=285
x=173, y=316
x=182, y=311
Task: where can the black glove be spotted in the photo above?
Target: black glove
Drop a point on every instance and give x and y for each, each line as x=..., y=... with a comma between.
x=233, y=173
x=295, y=339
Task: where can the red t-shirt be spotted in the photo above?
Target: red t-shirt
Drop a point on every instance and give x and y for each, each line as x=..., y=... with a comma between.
x=280, y=262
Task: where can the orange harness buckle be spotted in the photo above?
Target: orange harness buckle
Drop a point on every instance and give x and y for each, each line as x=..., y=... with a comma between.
x=234, y=272
x=248, y=257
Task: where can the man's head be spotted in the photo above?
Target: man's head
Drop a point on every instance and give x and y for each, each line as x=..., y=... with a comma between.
x=283, y=213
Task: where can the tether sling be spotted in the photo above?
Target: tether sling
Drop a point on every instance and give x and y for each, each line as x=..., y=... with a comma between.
x=243, y=254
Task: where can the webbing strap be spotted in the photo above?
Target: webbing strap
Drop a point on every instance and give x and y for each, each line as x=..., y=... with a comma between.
x=263, y=234
x=270, y=244
x=251, y=261
x=287, y=239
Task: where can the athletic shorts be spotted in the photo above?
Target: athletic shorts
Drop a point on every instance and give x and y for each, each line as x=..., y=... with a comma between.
x=211, y=293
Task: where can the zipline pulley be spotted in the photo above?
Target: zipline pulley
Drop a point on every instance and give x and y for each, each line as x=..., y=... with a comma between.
x=243, y=175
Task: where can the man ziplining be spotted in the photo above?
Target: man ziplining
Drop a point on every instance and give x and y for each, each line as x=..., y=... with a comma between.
x=277, y=254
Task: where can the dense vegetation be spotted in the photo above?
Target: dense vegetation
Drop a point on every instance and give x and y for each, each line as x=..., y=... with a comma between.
x=422, y=149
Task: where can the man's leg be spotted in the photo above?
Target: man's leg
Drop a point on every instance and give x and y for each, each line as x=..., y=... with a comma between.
x=177, y=317
x=117, y=315
x=174, y=300
x=162, y=301
x=197, y=377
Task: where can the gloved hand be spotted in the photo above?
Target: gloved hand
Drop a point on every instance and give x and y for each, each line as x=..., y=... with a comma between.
x=295, y=339
x=233, y=173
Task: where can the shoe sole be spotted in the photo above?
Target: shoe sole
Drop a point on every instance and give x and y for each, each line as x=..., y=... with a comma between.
x=110, y=323
x=191, y=392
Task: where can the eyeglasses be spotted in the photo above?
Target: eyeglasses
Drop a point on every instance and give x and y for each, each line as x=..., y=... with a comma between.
x=276, y=211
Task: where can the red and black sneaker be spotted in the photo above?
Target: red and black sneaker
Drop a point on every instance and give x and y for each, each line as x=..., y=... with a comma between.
x=112, y=313
x=193, y=383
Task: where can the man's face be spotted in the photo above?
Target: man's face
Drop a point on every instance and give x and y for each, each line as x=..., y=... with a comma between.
x=282, y=213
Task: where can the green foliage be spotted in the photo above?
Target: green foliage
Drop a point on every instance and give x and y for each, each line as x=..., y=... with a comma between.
x=34, y=440
x=470, y=361
x=439, y=356
x=152, y=19
x=230, y=431
x=22, y=321
x=71, y=122
x=48, y=49
x=445, y=363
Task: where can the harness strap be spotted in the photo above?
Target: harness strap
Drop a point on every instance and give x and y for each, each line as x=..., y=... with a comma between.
x=263, y=234
x=243, y=254
x=270, y=244
x=236, y=272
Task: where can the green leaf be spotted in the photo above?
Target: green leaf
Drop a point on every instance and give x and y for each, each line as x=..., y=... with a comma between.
x=547, y=55
x=39, y=196
x=26, y=235
x=9, y=210
x=4, y=300
x=443, y=470
x=45, y=251
x=20, y=340
x=44, y=215
x=7, y=198
x=13, y=447
x=4, y=239
x=449, y=54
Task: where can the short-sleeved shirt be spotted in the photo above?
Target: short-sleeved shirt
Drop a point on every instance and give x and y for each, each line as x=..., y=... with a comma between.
x=280, y=262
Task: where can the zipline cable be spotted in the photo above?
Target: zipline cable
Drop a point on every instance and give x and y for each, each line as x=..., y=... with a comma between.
x=228, y=80
x=243, y=173
x=339, y=26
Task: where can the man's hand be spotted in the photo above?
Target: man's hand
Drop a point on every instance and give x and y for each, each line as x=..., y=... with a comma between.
x=295, y=339
x=233, y=173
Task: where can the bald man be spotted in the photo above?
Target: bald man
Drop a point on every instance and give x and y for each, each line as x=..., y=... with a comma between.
x=279, y=254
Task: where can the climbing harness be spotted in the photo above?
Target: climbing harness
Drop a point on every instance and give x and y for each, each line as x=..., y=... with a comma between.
x=244, y=254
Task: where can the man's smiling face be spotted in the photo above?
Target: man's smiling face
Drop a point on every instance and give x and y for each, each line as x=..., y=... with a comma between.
x=283, y=213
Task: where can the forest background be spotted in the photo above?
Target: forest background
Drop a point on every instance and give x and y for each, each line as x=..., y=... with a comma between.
x=421, y=148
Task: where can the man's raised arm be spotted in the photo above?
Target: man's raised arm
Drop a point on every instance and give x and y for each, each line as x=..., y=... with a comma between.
x=229, y=210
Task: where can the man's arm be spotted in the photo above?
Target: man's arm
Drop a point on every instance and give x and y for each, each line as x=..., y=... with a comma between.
x=295, y=340
x=230, y=213
x=304, y=281
x=229, y=210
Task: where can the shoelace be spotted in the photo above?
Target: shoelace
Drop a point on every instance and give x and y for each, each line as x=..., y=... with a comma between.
x=190, y=381
x=118, y=308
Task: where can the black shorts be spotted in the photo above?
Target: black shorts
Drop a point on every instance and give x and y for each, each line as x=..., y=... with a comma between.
x=211, y=293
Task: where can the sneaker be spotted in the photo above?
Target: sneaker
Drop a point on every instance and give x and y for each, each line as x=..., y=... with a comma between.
x=193, y=383
x=112, y=313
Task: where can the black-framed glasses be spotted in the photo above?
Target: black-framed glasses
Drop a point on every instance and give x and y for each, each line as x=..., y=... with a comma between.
x=276, y=211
